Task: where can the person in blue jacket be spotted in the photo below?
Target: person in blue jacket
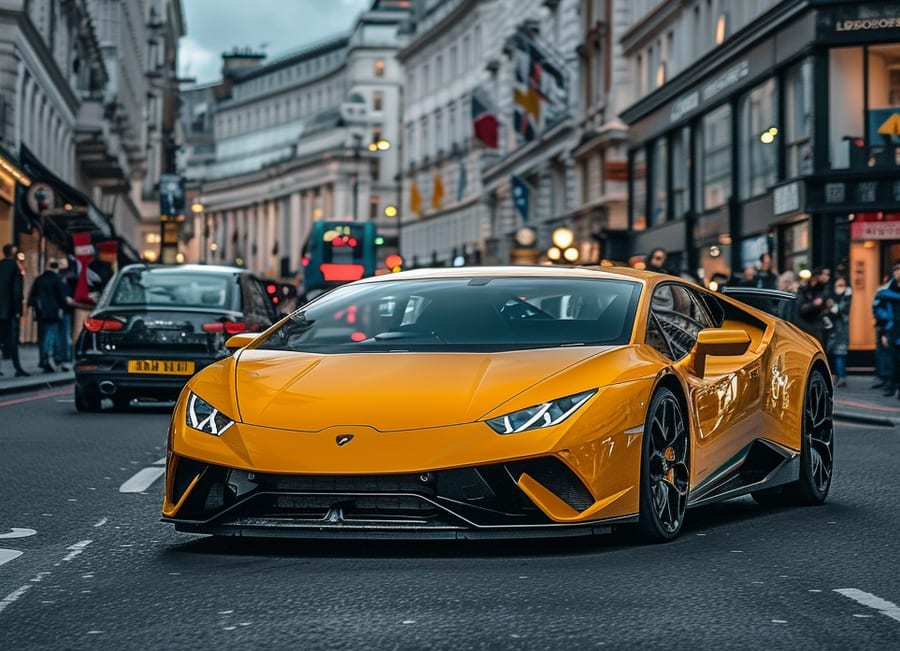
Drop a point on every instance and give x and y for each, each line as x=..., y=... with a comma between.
x=886, y=310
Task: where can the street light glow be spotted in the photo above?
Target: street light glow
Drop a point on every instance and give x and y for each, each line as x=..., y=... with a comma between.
x=563, y=237
x=390, y=211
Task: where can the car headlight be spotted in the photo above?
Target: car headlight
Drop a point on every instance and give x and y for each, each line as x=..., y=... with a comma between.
x=204, y=417
x=543, y=415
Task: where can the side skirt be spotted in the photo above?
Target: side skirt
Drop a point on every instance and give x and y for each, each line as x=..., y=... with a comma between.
x=762, y=464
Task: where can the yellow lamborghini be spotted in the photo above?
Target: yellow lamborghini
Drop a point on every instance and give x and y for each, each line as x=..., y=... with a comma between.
x=500, y=401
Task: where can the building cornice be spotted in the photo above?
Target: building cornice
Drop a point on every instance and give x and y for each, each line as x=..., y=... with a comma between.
x=422, y=40
x=650, y=26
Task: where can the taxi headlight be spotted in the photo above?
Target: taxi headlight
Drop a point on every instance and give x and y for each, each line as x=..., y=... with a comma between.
x=546, y=414
x=204, y=417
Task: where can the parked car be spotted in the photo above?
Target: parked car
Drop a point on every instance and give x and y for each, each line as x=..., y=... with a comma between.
x=501, y=401
x=155, y=326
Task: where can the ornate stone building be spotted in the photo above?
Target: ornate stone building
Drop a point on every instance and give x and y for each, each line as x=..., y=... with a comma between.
x=280, y=143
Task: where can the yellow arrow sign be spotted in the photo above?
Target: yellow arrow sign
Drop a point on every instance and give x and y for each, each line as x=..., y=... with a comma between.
x=891, y=126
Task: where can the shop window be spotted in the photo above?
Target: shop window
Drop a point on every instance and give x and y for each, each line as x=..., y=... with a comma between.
x=659, y=189
x=846, y=107
x=681, y=172
x=759, y=140
x=377, y=100
x=798, y=104
x=638, y=174
x=714, y=156
x=379, y=67
x=884, y=106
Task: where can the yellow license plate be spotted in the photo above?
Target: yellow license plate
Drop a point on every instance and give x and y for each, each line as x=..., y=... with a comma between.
x=160, y=367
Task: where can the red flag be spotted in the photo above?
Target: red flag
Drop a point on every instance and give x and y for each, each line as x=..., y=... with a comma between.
x=84, y=253
x=484, y=120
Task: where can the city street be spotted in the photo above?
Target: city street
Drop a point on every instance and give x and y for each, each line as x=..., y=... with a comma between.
x=85, y=563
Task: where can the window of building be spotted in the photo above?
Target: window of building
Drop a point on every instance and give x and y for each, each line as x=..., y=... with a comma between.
x=410, y=150
x=379, y=67
x=439, y=70
x=759, y=140
x=659, y=196
x=426, y=137
x=883, y=106
x=714, y=157
x=453, y=69
x=451, y=124
x=377, y=100
x=438, y=133
x=373, y=207
x=798, y=108
x=681, y=172
x=846, y=107
x=467, y=51
x=638, y=173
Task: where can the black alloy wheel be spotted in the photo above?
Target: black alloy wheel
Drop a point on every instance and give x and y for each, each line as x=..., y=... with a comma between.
x=665, y=469
x=816, y=450
x=816, y=444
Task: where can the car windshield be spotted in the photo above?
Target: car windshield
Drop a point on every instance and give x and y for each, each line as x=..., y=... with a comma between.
x=477, y=314
x=171, y=289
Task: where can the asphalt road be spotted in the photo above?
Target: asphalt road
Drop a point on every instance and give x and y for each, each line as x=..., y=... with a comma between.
x=86, y=564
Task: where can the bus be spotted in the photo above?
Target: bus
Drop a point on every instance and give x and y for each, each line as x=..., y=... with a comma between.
x=338, y=252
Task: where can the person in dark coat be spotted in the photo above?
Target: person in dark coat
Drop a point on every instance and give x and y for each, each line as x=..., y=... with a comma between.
x=838, y=342
x=48, y=300
x=11, y=297
x=656, y=261
x=812, y=307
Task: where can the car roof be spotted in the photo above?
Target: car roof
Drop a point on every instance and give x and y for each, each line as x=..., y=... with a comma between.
x=189, y=268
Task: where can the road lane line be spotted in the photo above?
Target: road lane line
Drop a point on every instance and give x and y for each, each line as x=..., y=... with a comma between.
x=38, y=396
x=12, y=597
x=76, y=549
x=101, y=523
x=884, y=606
x=142, y=480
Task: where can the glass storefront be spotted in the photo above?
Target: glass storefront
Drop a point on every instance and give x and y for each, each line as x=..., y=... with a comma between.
x=759, y=140
x=714, y=158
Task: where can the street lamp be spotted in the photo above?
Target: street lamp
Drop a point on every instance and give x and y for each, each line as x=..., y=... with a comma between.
x=357, y=140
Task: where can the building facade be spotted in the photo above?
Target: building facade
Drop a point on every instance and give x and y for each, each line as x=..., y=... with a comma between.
x=279, y=144
x=490, y=123
x=788, y=115
x=78, y=115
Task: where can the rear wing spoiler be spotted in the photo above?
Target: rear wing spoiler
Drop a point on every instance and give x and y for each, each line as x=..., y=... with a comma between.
x=767, y=300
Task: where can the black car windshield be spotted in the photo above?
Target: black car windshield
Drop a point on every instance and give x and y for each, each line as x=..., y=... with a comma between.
x=462, y=314
x=173, y=289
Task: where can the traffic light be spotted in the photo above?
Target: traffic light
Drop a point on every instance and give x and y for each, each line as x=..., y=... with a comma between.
x=394, y=262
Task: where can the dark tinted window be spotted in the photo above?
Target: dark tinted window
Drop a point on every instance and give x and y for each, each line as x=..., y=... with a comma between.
x=172, y=288
x=463, y=314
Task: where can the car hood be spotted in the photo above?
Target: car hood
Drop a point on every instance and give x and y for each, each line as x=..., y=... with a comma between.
x=387, y=391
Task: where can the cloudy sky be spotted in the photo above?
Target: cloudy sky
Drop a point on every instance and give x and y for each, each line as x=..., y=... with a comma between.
x=277, y=26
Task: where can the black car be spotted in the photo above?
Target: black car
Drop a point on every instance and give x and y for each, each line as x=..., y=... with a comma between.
x=155, y=326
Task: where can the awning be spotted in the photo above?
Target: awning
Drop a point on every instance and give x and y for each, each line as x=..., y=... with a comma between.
x=65, y=210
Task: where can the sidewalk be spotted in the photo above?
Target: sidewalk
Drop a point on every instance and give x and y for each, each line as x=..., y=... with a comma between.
x=29, y=357
x=856, y=402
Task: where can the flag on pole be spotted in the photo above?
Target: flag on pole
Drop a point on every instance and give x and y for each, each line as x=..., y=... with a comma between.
x=461, y=184
x=484, y=118
x=540, y=86
x=521, y=193
x=415, y=199
x=437, y=191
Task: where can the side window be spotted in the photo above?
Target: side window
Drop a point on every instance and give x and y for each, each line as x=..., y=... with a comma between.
x=676, y=317
x=259, y=313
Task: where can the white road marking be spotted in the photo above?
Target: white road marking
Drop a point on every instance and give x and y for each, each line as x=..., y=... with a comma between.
x=12, y=597
x=161, y=462
x=101, y=523
x=7, y=555
x=18, y=533
x=76, y=549
x=886, y=607
x=142, y=480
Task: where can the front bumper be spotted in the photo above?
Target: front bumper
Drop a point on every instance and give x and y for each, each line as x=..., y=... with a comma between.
x=475, y=502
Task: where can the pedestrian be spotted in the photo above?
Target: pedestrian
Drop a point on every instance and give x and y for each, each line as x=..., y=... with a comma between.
x=11, y=298
x=656, y=261
x=787, y=282
x=68, y=272
x=886, y=308
x=765, y=277
x=882, y=314
x=811, y=306
x=48, y=300
x=838, y=342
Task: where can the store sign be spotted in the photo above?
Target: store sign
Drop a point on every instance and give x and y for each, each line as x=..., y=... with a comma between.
x=867, y=24
x=691, y=100
x=875, y=230
x=856, y=22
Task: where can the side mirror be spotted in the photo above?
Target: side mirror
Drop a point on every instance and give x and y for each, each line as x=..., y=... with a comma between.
x=240, y=340
x=713, y=341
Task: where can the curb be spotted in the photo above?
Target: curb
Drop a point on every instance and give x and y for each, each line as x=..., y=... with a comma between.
x=36, y=384
x=864, y=419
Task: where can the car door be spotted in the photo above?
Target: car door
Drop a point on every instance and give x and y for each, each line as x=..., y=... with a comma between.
x=725, y=401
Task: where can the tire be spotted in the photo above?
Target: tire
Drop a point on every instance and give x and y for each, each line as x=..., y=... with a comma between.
x=85, y=402
x=816, y=444
x=665, y=469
